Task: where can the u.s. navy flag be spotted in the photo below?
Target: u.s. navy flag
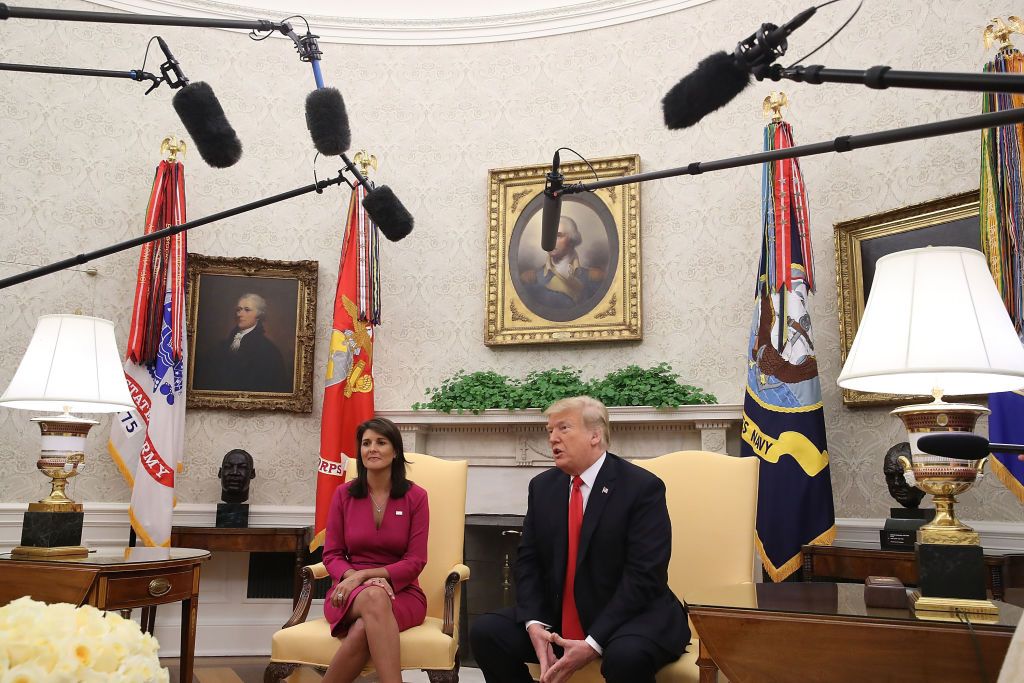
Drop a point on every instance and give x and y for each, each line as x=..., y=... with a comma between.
x=783, y=420
x=1006, y=425
x=147, y=443
x=348, y=395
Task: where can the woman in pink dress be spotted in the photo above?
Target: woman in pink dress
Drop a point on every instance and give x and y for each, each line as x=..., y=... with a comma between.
x=375, y=548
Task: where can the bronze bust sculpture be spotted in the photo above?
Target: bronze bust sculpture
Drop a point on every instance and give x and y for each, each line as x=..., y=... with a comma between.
x=236, y=472
x=906, y=495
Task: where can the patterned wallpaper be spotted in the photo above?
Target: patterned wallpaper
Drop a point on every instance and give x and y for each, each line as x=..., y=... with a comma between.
x=78, y=156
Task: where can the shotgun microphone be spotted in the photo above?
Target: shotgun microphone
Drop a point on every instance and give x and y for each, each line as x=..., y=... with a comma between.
x=552, y=210
x=718, y=79
x=327, y=122
x=201, y=114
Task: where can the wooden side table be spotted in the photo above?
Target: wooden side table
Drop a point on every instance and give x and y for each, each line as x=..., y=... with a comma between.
x=115, y=579
x=251, y=540
x=844, y=563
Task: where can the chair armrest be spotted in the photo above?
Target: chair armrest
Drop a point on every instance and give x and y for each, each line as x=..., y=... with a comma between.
x=310, y=574
x=452, y=592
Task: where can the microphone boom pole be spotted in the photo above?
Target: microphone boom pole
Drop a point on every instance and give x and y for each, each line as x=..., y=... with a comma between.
x=843, y=143
x=134, y=74
x=11, y=12
x=166, y=232
x=882, y=77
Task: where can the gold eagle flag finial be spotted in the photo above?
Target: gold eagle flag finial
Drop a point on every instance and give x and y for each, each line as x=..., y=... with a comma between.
x=365, y=160
x=172, y=147
x=773, y=105
x=998, y=32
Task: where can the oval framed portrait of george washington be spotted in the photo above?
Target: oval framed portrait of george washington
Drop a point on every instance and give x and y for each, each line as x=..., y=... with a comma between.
x=570, y=280
x=587, y=288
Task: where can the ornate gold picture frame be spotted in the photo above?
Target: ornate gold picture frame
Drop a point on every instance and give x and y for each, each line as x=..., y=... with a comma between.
x=588, y=288
x=949, y=221
x=251, y=329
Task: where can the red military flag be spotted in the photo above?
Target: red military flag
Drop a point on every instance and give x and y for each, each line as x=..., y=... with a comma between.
x=348, y=394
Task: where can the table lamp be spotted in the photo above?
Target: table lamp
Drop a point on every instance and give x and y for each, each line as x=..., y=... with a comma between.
x=71, y=364
x=935, y=324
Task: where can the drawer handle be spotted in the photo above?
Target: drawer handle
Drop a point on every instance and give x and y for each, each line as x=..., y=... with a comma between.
x=158, y=587
x=511, y=532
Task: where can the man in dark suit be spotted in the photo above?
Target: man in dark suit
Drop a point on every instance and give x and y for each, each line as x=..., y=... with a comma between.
x=613, y=602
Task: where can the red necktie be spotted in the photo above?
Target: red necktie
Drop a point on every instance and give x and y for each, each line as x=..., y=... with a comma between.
x=571, y=627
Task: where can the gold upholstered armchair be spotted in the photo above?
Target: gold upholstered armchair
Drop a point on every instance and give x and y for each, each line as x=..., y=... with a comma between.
x=432, y=646
x=712, y=501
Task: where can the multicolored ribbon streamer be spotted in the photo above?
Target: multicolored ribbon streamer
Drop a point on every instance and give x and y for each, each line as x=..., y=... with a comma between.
x=161, y=265
x=1002, y=197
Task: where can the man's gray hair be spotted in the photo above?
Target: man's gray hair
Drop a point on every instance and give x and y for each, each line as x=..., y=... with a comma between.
x=595, y=415
x=258, y=301
x=571, y=230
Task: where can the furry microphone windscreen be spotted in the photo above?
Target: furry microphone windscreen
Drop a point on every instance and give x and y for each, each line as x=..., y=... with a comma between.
x=713, y=84
x=206, y=124
x=328, y=122
x=387, y=213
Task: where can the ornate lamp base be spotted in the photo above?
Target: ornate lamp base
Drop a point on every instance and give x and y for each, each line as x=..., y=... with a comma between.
x=943, y=478
x=52, y=527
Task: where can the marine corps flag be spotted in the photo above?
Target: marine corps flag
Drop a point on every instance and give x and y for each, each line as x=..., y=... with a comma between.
x=147, y=443
x=783, y=421
x=348, y=394
x=1002, y=236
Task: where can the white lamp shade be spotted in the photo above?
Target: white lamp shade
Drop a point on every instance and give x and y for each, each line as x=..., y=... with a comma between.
x=72, y=364
x=934, y=319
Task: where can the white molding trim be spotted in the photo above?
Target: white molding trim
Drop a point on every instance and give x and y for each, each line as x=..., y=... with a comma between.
x=449, y=30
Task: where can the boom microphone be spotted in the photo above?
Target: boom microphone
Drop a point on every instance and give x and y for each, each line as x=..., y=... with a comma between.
x=552, y=211
x=387, y=213
x=202, y=115
x=327, y=122
x=722, y=76
x=963, y=445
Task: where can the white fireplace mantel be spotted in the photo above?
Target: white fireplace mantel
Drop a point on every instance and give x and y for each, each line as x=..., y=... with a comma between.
x=518, y=438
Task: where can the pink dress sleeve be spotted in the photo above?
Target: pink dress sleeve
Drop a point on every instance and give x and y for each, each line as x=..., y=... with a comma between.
x=408, y=567
x=335, y=547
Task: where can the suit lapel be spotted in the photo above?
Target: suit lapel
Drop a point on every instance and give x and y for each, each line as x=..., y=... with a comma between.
x=596, y=503
x=560, y=514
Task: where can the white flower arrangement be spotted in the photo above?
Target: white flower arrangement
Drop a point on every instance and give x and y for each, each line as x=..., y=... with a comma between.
x=61, y=643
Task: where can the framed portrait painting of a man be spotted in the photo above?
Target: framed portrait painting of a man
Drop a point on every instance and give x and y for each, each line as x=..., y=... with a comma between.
x=860, y=242
x=585, y=289
x=251, y=333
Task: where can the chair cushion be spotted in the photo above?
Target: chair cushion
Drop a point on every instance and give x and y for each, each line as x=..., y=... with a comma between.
x=423, y=647
x=683, y=670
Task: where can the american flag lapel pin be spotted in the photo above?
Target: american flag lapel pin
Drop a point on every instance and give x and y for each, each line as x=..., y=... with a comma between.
x=604, y=489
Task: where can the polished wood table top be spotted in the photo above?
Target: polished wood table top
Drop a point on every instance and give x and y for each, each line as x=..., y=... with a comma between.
x=115, y=579
x=824, y=632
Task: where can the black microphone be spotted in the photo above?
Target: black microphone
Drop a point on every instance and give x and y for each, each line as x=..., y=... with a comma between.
x=552, y=207
x=202, y=115
x=964, y=445
x=959, y=445
x=722, y=76
x=387, y=213
x=327, y=122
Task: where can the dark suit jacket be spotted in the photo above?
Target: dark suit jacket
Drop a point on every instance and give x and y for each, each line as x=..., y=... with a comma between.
x=622, y=567
x=257, y=365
